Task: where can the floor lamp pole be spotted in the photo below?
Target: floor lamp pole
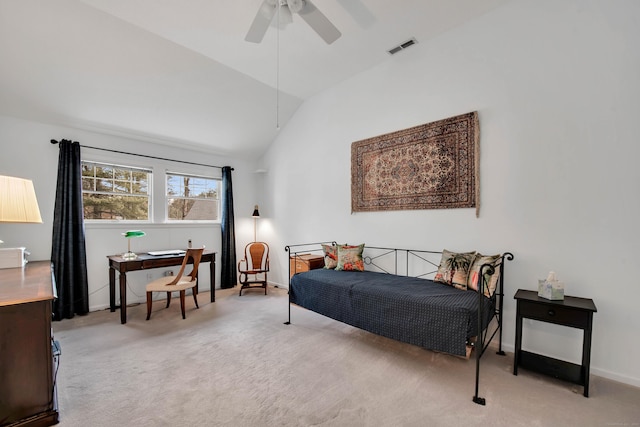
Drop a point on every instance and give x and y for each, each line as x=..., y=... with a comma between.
x=255, y=216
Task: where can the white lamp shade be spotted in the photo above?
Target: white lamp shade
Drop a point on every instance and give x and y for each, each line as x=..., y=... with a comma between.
x=283, y=17
x=18, y=201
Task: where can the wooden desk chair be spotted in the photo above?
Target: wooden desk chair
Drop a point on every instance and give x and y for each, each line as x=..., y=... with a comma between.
x=254, y=266
x=178, y=283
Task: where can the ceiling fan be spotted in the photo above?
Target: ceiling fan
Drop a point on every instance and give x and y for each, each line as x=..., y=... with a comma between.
x=304, y=8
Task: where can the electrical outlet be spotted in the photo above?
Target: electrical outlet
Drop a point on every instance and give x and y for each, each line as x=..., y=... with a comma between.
x=149, y=276
x=168, y=273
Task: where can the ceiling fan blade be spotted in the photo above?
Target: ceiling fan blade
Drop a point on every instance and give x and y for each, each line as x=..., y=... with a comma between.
x=261, y=22
x=319, y=22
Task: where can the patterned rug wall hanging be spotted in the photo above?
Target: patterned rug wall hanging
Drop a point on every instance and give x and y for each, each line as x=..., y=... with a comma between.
x=430, y=166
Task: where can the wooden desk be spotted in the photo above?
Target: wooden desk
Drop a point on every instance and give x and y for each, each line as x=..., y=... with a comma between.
x=27, y=384
x=145, y=262
x=572, y=312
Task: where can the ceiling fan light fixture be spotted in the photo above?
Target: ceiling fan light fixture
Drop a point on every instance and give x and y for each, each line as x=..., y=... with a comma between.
x=296, y=6
x=282, y=10
x=284, y=16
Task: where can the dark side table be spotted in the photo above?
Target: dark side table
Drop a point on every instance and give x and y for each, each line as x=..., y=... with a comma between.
x=572, y=312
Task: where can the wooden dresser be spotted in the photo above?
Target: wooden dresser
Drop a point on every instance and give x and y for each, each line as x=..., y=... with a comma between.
x=27, y=385
x=304, y=262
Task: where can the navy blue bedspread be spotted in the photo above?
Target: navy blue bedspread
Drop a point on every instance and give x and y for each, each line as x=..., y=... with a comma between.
x=412, y=310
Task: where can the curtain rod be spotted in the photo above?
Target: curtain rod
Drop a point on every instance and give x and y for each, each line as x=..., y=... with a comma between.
x=53, y=141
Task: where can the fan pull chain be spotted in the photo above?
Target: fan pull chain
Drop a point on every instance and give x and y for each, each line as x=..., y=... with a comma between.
x=278, y=67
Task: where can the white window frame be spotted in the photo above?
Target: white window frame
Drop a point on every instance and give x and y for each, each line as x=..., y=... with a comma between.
x=167, y=198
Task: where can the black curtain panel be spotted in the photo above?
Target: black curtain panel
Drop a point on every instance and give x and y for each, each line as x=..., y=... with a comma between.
x=68, y=251
x=228, y=272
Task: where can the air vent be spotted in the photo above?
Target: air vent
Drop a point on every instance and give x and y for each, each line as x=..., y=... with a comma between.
x=402, y=46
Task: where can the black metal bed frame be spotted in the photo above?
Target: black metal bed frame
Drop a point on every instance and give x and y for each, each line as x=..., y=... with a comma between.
x=388, y=260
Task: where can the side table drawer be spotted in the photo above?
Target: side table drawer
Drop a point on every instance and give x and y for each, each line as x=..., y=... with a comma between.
x=298, y=266
x=554, y=314
x=317, y=262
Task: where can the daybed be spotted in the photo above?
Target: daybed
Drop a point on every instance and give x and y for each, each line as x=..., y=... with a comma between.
x=402, y=294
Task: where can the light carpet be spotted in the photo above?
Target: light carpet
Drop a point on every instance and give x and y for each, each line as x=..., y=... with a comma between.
x=235, y=363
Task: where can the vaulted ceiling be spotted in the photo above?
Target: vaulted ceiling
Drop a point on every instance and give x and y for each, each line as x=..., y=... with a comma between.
x=181, y=72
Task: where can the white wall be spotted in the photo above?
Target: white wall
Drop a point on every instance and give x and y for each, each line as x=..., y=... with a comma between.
x=27, y=153
x=556, y=84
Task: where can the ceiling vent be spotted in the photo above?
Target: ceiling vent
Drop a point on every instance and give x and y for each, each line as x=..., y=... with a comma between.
x=402, y=46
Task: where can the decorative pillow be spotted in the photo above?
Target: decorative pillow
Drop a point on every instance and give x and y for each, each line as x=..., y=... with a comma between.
x=330, y=256
x=454, y=268
x=491, y=279
x=350, y=258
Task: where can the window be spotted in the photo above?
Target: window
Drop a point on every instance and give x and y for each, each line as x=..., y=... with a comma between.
x=192, y=198
x=115, y=193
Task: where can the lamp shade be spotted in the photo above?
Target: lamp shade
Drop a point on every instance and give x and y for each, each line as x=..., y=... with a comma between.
x=133, y=233
x=284, y=17
x=18, y=201
x=255, y=214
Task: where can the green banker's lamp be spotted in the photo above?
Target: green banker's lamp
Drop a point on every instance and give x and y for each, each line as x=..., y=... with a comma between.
x=129, y=235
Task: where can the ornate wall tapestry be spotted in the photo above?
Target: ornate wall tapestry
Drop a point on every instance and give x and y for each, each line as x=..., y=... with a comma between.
x=431, y=166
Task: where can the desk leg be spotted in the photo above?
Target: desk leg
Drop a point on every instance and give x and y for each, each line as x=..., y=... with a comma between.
x=586, y=355
x=112, y=289
x=212, y=269
x=123, y=298
x=518, y=346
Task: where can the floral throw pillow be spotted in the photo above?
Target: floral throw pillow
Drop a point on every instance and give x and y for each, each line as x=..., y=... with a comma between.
x=350, y=258
x=454, y=268
x=330, y=256
x=490, y=279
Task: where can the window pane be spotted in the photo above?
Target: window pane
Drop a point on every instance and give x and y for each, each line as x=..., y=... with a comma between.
x=173, y=183
x=122, y=174
x=107, y=207
x=88, y=169
x=122, y=186
x=193, y=209
x=87, y=184
x=104, y=185
x=104, y=172
x=140, y=182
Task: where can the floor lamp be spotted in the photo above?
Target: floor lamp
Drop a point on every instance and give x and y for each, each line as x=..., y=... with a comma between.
x=255, y=216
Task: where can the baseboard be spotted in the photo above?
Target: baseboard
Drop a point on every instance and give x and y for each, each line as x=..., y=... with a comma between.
x=141, y=300
x=615, y=377
x=278, y=285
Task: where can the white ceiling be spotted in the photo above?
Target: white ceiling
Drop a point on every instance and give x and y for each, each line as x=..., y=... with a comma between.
x=180, y=71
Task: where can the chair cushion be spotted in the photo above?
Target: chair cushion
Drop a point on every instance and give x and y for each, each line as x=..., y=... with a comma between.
x=254, y=271
x=161, y=284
